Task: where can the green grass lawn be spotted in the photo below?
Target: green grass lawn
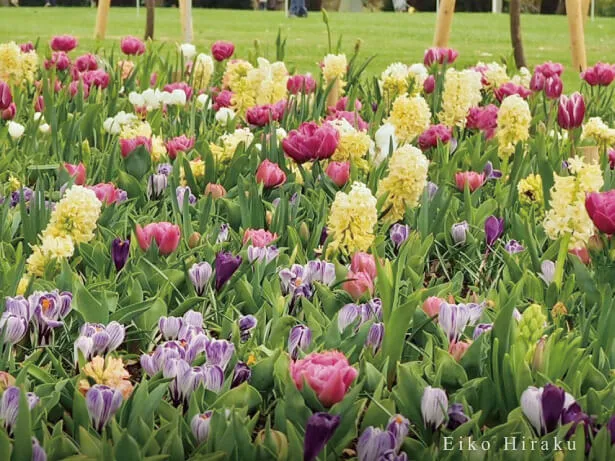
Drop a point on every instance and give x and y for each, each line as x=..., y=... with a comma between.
x=391, y=37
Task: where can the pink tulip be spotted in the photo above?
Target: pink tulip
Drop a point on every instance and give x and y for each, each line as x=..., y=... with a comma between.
x=77, y=172
x=311, y=142
x=179, y=144
x=10, y=112
x=510, y=88
x=458, y=348
x=132, y=46
x=339, y=172
x=26, y=47
x=431, y=306
x=59, y=60
x=127, y=146
x=553, y=87
x=473, y=179
x=74, y=89
x=39, y=104
x=351, y=117
x=258, y=237
x=223, y=99
x=301, y=84
x=179, y=86
x=270, y=174
x=86, y=62
x=358, y=284
x=549, y=69
x=439, y=56
x=165, y=234
x=363, y=262
x=215, y=190
x=98, y=78
x=600, y=207
x=582, y=254
x=429, y=85
x=6, y=97
x=484, y=119
x=108, y=194
x=571, y=111
x=328, y=374
x=222, y=50
x=601, y=74
x=64, y=43
x=433, y=135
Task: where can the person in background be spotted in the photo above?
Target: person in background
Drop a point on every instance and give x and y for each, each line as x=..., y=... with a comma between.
x=298, y=9
x=50, y=3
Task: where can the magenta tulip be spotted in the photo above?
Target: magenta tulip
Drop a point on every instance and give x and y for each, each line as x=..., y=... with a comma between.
x=127, y=146
x=510, y=88
x=132, y=46
x=6, y=98
x=270, y=174
x=439, y=56
x=571, y=111
x=311, y=142
x=433, y=135
x=10, y=112
x=179, y=144
x=339, y=172
x=108, y=194
x=553, y=87
x=64, y=43
x=600, y=207
x=301, y=84
x=222, y=50
x=601, y=74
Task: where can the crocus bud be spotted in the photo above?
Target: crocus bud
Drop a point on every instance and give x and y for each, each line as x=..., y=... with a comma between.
x=494, y=228
x=77, y=172
x=434, y=404
x=363, y=262
x=375, y=444
x=170, y=327
x=270, y=174
x=226, y=265
x=194, y=240
x=299, y=339
x=222, y=50
x=241, y=374
x=246, y=324
x=200, y=275
x=102, y=403
x=459, y=232
x=200, y=426
x=456, y=416
x=375, y=337
x=571, y=111
x=156, y=185
x=318, y=431
x=119, y=252
x=399, y=234
x=553, y=87
x=358, y=284
x=339, y=172
x=13, y=328
x=215, y=190
x=6, y=98
x=132, y=46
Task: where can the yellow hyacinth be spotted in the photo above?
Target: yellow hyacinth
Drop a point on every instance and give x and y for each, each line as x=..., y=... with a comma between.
x=462, y=90
x=135, y=128
x=17, y=67
x=352, y=220
x=230, y=142
x=410, y=116
x=530, y=191
x=110, y=372
x=598, y=131
x=353, y=145
x=399, y=78
x=494, y=74
x=334, y=66
x=159, y=150
x=405, y=182
x=202, y=71
x=51, y=249
x=568, y=214
x=514, y=118
x=75, y=215
x=267, y=82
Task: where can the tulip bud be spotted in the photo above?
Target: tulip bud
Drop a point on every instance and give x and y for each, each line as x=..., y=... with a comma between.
x=194, y=239
x=431, y=306
x=429, y=85
x=571, y=111
x=268, y=217
x=339, y=172
x=538, y=360
x=6, y=98
x=215, y=190
x=458, y=349
x=120, y=250
x=304, y=231
x=10, y=112
x=277, y=439
x=558, y=310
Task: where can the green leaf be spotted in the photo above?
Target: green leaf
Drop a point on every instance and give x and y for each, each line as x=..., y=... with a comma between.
x=127, y=449
x=241, y=396
x=88, y=306
x=138, y=162
x=23, y=432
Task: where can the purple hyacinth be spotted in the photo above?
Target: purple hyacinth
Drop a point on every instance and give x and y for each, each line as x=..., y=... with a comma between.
x=241, y=374
x=513, y=247
x=119, y=252
x=226, y=266
x=494, y=228
x=200, y=275
x=399, y=234
x=299, y=339
x=102, y=403
x=318, y=431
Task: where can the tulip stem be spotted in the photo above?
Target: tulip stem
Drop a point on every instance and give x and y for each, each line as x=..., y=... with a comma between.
x=561, y=260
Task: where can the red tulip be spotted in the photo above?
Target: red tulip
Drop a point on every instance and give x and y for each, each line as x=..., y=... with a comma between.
x=339, y=172
x=77, y=172
x=358, y=284
x=600, y=207
x=64, y=43
x=127, y=146
x=301, y=84
x=510, y=88
x=9, y=112
x=311, y=142
x=433, y=135
x=222, y=50
x=165, y=234
x=553, y=87
x=132, y=46
x=473, y=179
x=270, y=174
x=600, y=74
x=179, y=144
x=363, y=262
x=571, y=111
x=215, y=190
x=39, y=104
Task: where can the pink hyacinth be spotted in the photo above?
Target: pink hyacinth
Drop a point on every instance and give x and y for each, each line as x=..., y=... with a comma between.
x=132, y=46
x=433, y=135
x=328, y=374
x=64, y=43
x=179, y=144
x=165, y=234
x=258, y=237
x=311, y=142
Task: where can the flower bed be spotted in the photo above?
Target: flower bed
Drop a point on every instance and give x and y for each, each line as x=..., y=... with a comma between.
x=206, y=257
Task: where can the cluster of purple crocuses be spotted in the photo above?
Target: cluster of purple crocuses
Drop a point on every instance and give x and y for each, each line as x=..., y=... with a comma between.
x=98, y=339
x=226, y=265
x=299, y=280
x=358, y=314
x=44, y=311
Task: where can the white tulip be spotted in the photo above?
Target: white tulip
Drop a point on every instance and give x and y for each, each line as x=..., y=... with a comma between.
x=188, y=50
x=225, y=115
x=16, y=130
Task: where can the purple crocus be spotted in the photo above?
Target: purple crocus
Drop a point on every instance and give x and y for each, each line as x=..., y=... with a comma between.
x=459, y=232
x=38, y=454
x=200, y=275
x=9, y=406
x=49, y=311
x=611, y=428
x=432, y=189
x=19, y=306
x=480, y=329
x=170, y=327
x=153, y=363
x=299, y=339
x=375, y=337
x=165, y=169
x=222, y=233
x=219, y=352
x=491, y=173
x=102, y=403
x=399, y=234
x=318, y=431
x=320, y=271
x=494, y=228
x=181, y=192
x=544, y=406
x=16, y=196
x=185, y=379
x=226, y=266
x=241, y=374
x=373, y=443
x=456, y=416
x=434, y=404
x=156, y=184
x=246, y=324
x=347, y=316
x=119, y=252
x=98, y=339
x=453, y=319
x=513, y=247
x=213, y=377
x=547, y=271
x=200, y=426
x=399, y=427
x=12, y=328
x=260, y=254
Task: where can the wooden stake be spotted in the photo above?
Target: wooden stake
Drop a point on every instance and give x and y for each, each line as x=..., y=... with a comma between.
x=577, y=37
x=334, y=95
x=444, y=21
x=185, y=11
x=102, y=14
x=515, y=33
x=586, y=7
x=150, y=6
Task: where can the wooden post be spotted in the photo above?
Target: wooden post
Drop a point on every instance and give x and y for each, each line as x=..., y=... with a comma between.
x=586, y=7
x=185, y=11
x=577, y=38
x=102, y=14
x=515, y=33
x=334, y=95
x=150, y=6
x=444, y=21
